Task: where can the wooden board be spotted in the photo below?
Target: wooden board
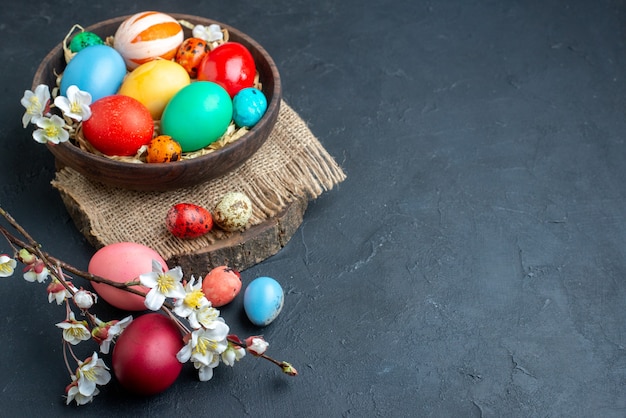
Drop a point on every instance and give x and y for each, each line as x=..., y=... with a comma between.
x=237, y=250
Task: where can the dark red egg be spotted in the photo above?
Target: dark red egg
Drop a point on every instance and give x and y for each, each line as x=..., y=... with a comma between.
x=188, y=221
x=230, y=65
x=144, y=356
x=119, y=125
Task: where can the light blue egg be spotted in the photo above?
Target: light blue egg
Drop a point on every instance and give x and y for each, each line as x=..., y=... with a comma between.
x=249, y=106
x=98, y=70
x=263, y=300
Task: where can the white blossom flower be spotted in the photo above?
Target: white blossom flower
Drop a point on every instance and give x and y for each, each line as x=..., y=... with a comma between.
x=91, y=373
x=57, y=292
x=105, y=332
x=36, y=271
x=204, y=344
x=73, y=394
x=205, y=371
x=76, y=104
x=74, y=331
x=232, y=354
x=51, y=130
x=256, y=345
x=7, y=265
x=162, y=285
x=204, y=316
x=193, y=300
x=211, y=33
x=35, y=103
x=85, y=299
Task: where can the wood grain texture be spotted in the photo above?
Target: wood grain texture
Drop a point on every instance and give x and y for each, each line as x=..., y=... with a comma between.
x=239, y=250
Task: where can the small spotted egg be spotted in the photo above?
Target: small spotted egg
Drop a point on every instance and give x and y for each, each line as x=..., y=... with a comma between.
x=84, y=39
x=233, y=211
x=188, y=221
x=263, y=300
x=190, y=54
x=163, y=149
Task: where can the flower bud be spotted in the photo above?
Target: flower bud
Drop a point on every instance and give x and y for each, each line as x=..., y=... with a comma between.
x=256, y=345
x=288, y=369
x=26, y=257
x=84, y=299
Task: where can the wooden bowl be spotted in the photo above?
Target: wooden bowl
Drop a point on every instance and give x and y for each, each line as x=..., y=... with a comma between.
x=173, y=175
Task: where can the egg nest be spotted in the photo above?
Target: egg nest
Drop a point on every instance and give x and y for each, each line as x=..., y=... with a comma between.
x=232, y=134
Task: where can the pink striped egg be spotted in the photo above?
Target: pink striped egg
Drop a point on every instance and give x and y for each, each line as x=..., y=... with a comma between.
x=147, y=36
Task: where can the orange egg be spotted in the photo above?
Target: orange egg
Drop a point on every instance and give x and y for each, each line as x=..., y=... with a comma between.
x=163, y=149
x=221, y=285
x=147, y=36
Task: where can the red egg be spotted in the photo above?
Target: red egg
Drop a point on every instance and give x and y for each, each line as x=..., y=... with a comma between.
x=188, y=221
x=119, y=125
x=221, y=285
x=230, y=65
x=144, y=356
x=123, y=262
x=190, y=54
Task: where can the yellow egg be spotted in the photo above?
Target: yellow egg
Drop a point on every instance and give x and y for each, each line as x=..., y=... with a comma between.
x=154, y=84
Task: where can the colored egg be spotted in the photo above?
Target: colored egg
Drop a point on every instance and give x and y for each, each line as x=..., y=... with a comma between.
x=98, y=70
x=197, y=115
x=154, y=84
x=144, y=356
x=82, y=40
x=119, y=125
x=221, y=285
x=233, y=211
x=188, y=221
x=123, y=262
x=263, y=300
x=190, y=54
x=230, y=65
x=163, y=149
x=147, y=36
x=249, y=106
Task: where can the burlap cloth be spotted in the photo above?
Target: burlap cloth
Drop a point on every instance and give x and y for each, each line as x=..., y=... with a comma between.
x=291, y=164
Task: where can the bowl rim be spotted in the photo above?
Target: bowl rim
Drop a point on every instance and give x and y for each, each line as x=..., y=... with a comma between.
x=153, y=169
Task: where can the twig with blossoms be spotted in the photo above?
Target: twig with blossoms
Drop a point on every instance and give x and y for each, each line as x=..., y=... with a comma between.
x=207, y=339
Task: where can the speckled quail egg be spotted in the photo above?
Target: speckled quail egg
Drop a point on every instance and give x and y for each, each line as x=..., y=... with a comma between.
x=233, y=211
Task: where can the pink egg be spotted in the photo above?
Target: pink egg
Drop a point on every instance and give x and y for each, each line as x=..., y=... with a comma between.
x=123, y=262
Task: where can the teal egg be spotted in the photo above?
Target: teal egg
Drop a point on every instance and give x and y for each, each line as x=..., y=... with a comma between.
x=197, y=115
x=82, y=40
x=98, y=70
x=249, y=106
x=263, y=300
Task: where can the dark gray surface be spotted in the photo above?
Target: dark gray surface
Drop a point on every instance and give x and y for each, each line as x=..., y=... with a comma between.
x=472, y=263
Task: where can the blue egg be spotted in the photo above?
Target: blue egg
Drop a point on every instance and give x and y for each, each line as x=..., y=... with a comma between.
x=263, y=300
x=249, y=106
x=98, y=70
